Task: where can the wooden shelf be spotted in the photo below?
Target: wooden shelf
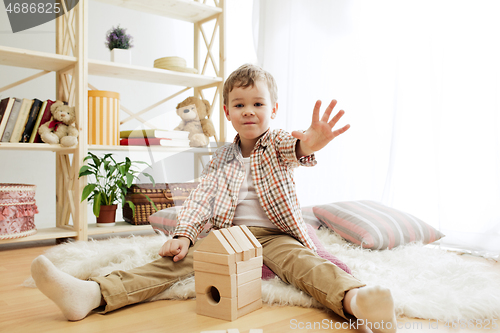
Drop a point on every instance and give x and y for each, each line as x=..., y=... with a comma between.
x=36, y=146
x=93, y=229
x=147, y=74
x=185, y=10
x=43, y=234
x=10, y=56
x=208, y=150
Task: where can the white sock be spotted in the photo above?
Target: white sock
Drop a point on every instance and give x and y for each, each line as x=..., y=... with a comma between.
x=75, y=297
x=375, y=306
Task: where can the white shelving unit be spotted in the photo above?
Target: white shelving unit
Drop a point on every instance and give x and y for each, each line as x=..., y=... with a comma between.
x=72, y=66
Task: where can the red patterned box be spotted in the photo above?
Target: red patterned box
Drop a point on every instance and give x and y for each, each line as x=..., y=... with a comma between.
x=17, y=210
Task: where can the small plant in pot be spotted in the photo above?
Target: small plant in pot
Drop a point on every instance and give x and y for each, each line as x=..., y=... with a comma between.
x=119, y=43
x=108, y=184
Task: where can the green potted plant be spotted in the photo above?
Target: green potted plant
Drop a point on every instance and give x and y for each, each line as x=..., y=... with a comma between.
x=119, y=43
x=108, y=184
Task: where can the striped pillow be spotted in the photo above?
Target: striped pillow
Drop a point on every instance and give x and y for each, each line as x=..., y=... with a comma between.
x=309, y=217
x=165, y=221
x=373, y=225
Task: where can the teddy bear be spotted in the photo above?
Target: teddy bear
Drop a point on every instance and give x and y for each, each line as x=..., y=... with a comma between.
x=61, y=126
x=195, y=114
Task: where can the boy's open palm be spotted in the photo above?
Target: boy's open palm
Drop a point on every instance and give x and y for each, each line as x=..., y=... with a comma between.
x=321, y=132
x=176, y=248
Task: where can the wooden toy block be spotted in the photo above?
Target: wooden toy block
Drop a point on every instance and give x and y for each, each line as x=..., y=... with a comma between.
x=234, y=244
x=244, y=242
x=256, y=330
x=225, y=284
x=245, y=266
x=233, y=330
x=214, y=258
x=215, y=243
x=246, y=277
x=225, y=308
x=249, y=292
x=250, y=307
x=214, y=268
x=228, y=274
x=252, y=239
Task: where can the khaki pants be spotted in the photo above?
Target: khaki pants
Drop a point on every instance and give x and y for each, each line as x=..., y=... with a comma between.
x=283, y=254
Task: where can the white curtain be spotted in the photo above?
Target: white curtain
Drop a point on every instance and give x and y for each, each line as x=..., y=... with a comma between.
x=420, y=84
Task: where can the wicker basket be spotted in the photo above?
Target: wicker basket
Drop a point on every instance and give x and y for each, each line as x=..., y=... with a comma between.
x=17, y=210
x=163, y=195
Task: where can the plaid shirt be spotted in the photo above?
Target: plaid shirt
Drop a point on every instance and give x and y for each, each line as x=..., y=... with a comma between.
x=272, y=161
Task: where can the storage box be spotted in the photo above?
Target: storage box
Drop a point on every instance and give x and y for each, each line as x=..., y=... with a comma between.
x=17, y=210
x=103, y=118
x=163, y=195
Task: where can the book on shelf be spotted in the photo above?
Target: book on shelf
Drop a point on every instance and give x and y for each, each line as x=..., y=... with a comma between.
x=11, y=122
x=32, y=117
x=154, y=133
x=5, y=108
x=43, y=116
x=22, y=118
x=154, y=142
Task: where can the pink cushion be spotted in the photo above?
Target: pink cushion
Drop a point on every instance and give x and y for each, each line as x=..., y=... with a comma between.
x=374, y=225
x=322, y=252
x=165, y=221
x=309, y=217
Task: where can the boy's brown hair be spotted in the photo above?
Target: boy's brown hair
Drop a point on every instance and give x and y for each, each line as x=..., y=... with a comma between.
x=245, y=77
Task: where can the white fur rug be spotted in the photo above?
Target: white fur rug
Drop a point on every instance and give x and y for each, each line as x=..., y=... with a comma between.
x=425, y=282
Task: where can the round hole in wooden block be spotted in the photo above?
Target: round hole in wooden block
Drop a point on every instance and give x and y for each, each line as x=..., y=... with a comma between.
x=213, y=295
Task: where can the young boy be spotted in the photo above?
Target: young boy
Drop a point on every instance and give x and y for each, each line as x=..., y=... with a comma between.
x=247, y=182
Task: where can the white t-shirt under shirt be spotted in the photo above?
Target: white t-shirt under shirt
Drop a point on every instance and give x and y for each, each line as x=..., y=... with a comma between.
x=249, y=211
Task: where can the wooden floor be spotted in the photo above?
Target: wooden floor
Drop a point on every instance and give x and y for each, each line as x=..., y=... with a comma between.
x=25, y=309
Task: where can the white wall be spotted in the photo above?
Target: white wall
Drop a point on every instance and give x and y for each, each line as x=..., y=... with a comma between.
x=154, y=37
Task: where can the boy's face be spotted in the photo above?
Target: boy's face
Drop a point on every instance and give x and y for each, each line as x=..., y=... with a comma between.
x=250, y=111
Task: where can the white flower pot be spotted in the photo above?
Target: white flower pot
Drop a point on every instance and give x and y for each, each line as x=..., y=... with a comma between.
x=122, y=56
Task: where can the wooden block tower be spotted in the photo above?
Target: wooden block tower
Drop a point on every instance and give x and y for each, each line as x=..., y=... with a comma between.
x=228, y=271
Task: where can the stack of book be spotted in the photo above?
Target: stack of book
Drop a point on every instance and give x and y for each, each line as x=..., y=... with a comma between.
x=154, y=137
x=21, y=118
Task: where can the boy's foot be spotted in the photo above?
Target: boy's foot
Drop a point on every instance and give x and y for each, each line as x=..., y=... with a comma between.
x=375, y=306
x=75, y=297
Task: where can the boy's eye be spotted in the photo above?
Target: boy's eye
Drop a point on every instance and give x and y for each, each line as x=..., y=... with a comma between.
x=238, y=105
x=258, y=104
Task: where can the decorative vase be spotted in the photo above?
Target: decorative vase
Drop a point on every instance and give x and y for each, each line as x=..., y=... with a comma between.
x=107, y=216
x=103, y=118
x=123, y=56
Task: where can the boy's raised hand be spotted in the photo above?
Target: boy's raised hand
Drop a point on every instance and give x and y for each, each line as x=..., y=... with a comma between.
x=321, y=132
x=176, y=248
